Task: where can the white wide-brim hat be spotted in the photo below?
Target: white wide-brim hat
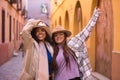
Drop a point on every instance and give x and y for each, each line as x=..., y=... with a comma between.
x=44, y=26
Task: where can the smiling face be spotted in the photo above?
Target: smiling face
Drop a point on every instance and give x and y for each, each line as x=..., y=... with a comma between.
x=59, y=37
x=40, y=34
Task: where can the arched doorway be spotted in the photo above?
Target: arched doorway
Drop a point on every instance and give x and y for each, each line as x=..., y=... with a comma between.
x=60, y=23
x=67, y=20
x=55, y=23
x=77, y=19
x=104, y=38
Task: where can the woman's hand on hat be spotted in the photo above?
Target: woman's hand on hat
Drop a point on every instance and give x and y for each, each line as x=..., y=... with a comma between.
x=34, y=22
x=37, y=21
x=30, y=24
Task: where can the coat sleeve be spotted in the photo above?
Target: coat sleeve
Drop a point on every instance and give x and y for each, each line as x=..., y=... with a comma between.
x=26, y=32
x=76, y=42
x=25, y=74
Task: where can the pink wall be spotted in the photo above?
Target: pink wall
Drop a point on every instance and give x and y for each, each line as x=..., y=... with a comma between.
x=3, y=53
x=6, y=52
x=6, y=48
x=4, y=56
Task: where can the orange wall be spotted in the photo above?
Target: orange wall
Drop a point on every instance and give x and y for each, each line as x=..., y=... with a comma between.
x=116, y=47
x=116, y=13
x=116, y=66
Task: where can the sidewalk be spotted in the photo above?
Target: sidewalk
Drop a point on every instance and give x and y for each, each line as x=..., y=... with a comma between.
x=11, y=70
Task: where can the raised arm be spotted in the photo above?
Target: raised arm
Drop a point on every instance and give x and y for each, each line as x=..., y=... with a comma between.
x=85, y=33
x=26, y=32
x=76, y=42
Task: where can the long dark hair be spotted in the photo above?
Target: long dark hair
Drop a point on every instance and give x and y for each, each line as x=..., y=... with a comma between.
x=66, y=52
x=47, y=38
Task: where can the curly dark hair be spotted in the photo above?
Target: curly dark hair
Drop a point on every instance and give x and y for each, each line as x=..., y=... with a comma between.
x=48, y=38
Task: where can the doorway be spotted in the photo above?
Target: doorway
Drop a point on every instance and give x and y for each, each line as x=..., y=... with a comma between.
x=104, y=39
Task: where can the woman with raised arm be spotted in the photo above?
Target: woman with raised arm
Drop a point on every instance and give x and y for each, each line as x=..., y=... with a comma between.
x=39, y=51
x=70, y=59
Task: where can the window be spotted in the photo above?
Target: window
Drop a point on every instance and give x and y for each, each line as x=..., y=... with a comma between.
x=3, y=26
x=17, y=30
x=44, y=9
x=10, y=26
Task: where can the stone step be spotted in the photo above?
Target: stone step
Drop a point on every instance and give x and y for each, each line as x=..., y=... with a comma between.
x=99, y=76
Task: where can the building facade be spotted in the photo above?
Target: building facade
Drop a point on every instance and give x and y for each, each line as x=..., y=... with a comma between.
x=103, y=45
x=12, y=18
x=39, y=9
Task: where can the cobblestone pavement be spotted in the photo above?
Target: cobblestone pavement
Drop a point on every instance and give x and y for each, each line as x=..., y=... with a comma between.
x=11, y=70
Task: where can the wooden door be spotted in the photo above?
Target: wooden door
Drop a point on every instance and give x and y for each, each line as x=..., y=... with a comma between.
x=104, y=39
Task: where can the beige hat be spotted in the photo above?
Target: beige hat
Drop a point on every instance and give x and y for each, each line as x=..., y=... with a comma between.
x=61, y=29
x=45, y=27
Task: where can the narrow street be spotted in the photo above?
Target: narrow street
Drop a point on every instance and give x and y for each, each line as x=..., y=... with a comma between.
x=102, y=49
x=11, y=70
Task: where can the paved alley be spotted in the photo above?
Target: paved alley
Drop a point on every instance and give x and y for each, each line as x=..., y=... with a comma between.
x=11, y=70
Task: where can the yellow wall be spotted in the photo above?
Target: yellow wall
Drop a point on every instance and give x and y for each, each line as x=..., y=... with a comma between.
x=87, y=9
x=116, y=13
x=69, y=5
x=116, y=41
x=92, y=40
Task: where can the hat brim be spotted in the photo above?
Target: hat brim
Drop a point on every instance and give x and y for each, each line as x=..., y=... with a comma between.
x=68, y=33
x=46, y=28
